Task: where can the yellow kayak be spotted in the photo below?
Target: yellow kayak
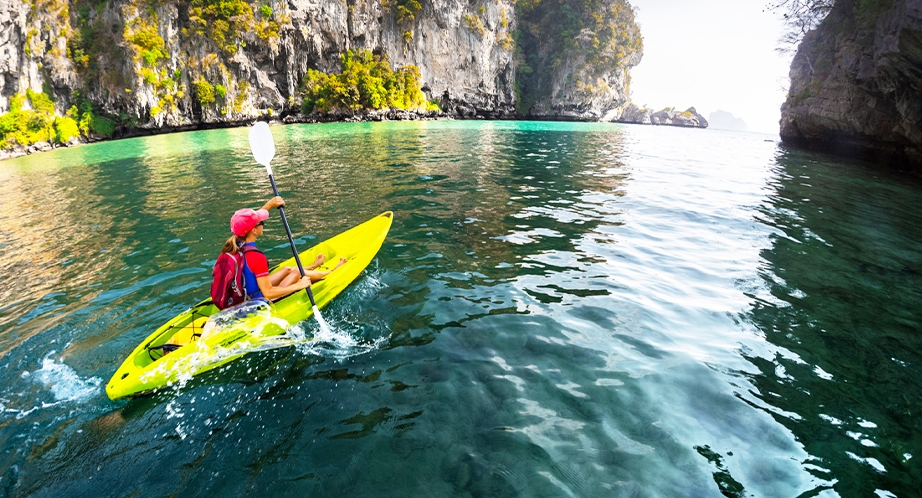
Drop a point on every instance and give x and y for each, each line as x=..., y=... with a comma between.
x=203, y=338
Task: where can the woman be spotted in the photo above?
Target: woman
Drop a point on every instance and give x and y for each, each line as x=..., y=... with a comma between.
x=247, y=226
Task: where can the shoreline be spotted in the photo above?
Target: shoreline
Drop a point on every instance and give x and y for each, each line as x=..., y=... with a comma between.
x=314, y=118
x=298, y=118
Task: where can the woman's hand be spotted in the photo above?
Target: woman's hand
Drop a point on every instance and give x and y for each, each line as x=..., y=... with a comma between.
x=274, y=202
x=304, y=283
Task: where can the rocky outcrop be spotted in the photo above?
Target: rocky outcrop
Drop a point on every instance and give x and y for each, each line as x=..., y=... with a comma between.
x=856, y=84
x=143, y=60
x=688, y=118
x=583, y=77
x=636, y=115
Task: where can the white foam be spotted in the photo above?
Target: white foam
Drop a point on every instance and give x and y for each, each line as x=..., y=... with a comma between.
x=337, y=343
x=311, y=337
x=63, y=381
x=324, y=327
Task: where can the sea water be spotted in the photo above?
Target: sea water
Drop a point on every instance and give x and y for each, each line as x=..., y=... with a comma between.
x=559, y=309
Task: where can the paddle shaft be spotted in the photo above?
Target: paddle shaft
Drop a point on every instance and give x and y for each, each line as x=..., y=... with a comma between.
x=291, y=240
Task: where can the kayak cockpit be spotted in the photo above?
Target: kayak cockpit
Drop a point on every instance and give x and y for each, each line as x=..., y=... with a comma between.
x=182, y=330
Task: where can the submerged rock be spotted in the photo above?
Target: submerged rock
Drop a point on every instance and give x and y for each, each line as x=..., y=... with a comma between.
x=856, y=84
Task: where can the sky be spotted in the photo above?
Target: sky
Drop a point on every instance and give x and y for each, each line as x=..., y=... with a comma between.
x=712, y=55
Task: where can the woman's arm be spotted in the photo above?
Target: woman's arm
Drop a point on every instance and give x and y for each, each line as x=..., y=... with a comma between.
x=274, y=203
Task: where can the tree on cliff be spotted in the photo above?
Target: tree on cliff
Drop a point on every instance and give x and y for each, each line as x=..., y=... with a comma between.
x=800, y=16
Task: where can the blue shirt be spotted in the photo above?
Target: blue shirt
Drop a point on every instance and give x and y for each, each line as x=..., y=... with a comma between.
x=261, y=264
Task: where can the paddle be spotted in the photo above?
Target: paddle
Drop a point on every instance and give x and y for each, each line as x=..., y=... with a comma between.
x=263, y=148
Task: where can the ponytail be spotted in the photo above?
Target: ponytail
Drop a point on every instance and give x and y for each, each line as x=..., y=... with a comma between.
x=232, y=245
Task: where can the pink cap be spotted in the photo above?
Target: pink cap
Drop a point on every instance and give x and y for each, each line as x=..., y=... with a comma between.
x=245, y=220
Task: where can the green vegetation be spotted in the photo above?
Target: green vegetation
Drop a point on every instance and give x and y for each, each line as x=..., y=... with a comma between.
x=506, y=41
x=474, y=25
x=242, y=88
x=93, y=44
x=404, y=10
x=90, y=120
x=366, y=82
x=32, y=119
x=65, y=129
x=25, y=126
x=552, y=32
x=204, y=92
x=149, y=49
x=147, y=42
x=222, y=20
x=225, y=21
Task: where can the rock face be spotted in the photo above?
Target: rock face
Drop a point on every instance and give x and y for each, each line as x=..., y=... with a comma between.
x=688, y=118
x=576, y=58
x=143, y=59
x=636, y=115
x=856, y=84
x=723, y=120
x=129, y=67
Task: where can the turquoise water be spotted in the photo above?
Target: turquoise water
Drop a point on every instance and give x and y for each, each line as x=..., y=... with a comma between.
x=559, y=310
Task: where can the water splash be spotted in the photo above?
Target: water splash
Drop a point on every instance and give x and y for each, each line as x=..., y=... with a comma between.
x=63, y=381
x=339, y=342
x=324, y=327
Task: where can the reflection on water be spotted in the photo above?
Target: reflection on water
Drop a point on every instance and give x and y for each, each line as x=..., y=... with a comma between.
x=843, y=280
x=559, y=310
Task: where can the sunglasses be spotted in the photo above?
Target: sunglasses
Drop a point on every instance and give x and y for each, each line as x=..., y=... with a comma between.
x=261, y=223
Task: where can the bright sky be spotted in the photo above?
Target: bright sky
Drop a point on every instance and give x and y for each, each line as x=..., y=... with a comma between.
x=712, y=54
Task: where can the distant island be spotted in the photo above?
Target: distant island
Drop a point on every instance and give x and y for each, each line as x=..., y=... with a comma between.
x=723, y=120
x=669, y=116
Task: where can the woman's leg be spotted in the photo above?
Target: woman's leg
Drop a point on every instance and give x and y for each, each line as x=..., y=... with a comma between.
x=286, y=276
x=317, y=275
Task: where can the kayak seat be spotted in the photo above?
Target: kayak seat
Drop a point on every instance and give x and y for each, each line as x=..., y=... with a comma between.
x=183, y=336
x=189, y=333
x=157, y=352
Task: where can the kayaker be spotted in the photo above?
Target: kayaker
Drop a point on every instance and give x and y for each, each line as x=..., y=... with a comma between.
x=246, y=226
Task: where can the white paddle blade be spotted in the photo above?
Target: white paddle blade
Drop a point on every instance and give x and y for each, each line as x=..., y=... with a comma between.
x=261, y=144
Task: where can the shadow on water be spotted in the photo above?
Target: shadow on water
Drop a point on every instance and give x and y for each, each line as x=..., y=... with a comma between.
x=844, y=273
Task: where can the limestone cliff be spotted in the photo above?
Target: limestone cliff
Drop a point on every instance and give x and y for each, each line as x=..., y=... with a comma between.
x=856, y=83
x=142, y=62
x=78, y=70
x=574, y=58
